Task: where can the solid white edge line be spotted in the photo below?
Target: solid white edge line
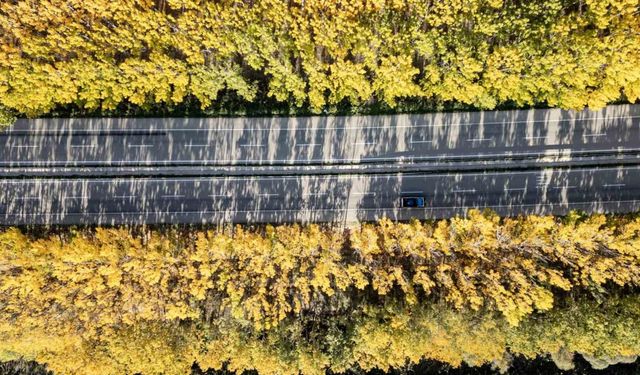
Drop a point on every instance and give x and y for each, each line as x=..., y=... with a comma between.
x=295, y=128
x=565, y=205
x=554, y=152
x=284, y=178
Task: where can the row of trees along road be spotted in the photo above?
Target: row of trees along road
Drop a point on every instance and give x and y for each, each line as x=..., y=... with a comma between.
x=314, y=53
x=312, y=298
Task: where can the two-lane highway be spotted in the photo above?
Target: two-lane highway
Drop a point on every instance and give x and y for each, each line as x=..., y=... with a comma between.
x=462, y=136
x=112, y=171
x=315, y=198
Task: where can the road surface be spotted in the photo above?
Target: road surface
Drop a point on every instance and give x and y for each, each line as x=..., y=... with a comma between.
x=462, y=136
x=343, y=169
x=345, y=198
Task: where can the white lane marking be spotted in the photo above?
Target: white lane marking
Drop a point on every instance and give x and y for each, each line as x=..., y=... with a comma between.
x=125, y=196
x=412, y=192
x=83, y=146
x=296, y=128
x=77, y=197
x=544, y=153
x=27, y=198
x=305, y=177
x=139, y=146
x=197, y=145
x=314, y=194
x=308, y=144
x=24, y=146
x=561, y=187
x=613, y=185
x=424, y=141
x=464, y=190
x=220, y=195
x=537, y=137
x=515, y=189
x=173, y=196
x=268, y=195
x=254, y=145
x=363, y=194
x=302, y=211
x=479, y=139
x=365, y=143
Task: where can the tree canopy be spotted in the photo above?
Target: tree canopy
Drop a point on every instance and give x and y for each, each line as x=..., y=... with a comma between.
x=291, y=299
x=97, y=54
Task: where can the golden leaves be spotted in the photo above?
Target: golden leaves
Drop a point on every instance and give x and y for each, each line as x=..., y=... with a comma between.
x=317, y=53
x=370, y=336
x=514, y=266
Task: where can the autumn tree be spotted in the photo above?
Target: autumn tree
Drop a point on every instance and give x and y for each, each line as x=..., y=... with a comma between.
x=372, y=336
x=514, y=266
x=314, y=53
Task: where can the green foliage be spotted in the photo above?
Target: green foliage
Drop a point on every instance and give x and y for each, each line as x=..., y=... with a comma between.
x=317, y=54
x=23, y=368
x=6, y=118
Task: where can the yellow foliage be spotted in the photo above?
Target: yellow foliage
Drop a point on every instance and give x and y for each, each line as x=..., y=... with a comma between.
x=97, y=280
x=97, y=54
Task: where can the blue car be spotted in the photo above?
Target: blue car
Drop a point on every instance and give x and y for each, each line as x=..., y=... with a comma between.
x=412, y=202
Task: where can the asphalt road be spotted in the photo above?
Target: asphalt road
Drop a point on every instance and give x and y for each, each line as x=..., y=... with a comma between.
x=314, y=198
x=343, y=169
x=462, y=136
